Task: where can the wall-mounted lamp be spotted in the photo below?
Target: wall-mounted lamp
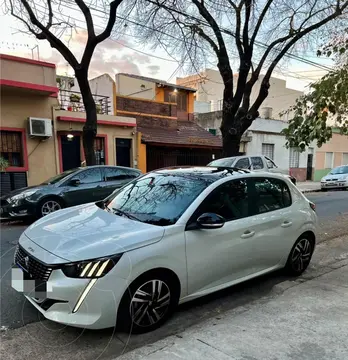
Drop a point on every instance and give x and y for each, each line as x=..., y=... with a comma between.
x=70, y=137
x=175, y=90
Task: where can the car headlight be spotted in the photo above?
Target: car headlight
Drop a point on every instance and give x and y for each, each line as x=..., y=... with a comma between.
x=23, y=195
x=91, y=269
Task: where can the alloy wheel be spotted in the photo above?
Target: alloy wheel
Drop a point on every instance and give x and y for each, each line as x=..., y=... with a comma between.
x=150, y=303
x=301, y=255
x=49, y=207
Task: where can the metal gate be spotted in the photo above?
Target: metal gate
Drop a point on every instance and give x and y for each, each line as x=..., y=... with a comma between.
x=11, y=181
x=158, y=157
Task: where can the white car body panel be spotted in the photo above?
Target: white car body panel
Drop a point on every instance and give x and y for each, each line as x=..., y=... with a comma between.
x=203, y=260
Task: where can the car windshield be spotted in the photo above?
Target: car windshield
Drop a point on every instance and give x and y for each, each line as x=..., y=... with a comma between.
x=157, y=198
x=59, y=177
x=222, y=162
x=339, y=170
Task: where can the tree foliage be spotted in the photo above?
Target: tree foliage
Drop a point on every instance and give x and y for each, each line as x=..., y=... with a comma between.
x=246, y=38
x=326, y=104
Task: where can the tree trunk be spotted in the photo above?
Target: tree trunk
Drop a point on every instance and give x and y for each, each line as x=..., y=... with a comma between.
x=233, y=126
x=90, y=127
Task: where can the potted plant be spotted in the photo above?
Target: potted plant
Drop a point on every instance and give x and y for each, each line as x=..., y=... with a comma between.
x=3, y=164
x=75, y=98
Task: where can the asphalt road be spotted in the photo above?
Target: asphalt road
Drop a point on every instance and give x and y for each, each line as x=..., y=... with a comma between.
x=332, y=209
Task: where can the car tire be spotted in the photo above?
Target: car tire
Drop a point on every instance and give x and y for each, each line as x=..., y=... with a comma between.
x=300, y=256
x=48, y=206
x=136, y=317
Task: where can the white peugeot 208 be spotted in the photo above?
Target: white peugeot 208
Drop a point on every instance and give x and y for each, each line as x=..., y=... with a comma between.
x=165, y=238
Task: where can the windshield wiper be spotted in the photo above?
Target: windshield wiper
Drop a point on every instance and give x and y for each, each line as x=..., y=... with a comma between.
x=129, y=216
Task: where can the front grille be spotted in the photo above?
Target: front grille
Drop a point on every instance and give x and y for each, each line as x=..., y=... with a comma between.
x=36, y=269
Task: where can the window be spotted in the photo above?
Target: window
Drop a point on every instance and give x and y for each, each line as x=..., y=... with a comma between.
x=158, y=199
x=257, y=163
x=329, y=160
x=99, y=150
x=294, y=158
x=89, y=176
x=229, y=200
x=243, y=163
x=268, y=150
x=115, y=174
x=269, y=195
x=345, y=159
x=270, y=163
x=11, y=147
x=179, y=97
x=225, y=162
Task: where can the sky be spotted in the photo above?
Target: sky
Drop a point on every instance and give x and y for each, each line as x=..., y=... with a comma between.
x=123, y=54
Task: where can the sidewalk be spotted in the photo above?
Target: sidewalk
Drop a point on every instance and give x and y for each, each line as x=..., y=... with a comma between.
x=308, y=186
x=308, y=321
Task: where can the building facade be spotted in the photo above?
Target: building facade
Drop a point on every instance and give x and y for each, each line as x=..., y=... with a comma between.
x=30, y=96
x=264, y=137
x=333, y=153
x=167, y=134
x=209, y=93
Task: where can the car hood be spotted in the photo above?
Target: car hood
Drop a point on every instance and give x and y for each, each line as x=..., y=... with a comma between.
x=334, y=177
x=19, y=191
x=86, y=232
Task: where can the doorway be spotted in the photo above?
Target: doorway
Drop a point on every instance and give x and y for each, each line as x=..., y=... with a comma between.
x=71, y=152
x=309, y=166
x=123, y=152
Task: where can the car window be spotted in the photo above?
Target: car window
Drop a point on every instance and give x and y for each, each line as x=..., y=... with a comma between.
x=268, y=194
x=229, y=200
x=257, y=163
x=89, y=176
x=59, y=177
x=114, y=174
x=339, y=170
x=158, y=199
x=223, y=162
x=243, y=163
x=270, y=163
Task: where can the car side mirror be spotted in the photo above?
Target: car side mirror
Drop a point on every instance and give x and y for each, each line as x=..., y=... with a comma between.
x=75, y=182
x=210, y=221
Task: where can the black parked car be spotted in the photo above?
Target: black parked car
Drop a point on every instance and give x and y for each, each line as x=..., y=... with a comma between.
x=72, y=187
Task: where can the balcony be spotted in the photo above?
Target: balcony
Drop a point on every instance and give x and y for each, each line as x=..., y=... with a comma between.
x=72, y=101
x=23, y=75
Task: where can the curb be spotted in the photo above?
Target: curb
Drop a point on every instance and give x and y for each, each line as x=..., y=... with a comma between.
x=310, y=190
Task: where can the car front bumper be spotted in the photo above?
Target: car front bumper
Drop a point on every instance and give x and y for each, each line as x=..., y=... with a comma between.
x=58, y=297
x=334, y=184
x=17, y=210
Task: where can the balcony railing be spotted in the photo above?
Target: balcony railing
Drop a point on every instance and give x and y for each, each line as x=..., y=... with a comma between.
x=72, y=101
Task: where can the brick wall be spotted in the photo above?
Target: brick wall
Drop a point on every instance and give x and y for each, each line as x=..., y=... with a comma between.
x=146, y=107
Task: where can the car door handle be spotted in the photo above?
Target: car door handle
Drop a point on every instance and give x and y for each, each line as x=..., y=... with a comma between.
x=247, y=234
x=286, y=224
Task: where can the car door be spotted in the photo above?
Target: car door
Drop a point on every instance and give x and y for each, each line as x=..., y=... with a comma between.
x=218, y=256
x=115, y=177
x=272, y=219
x=86, y=186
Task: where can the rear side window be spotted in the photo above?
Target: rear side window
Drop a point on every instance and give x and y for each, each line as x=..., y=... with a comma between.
x=257, y=163
x=115, y=174
x=243, y=163
x=268, y=194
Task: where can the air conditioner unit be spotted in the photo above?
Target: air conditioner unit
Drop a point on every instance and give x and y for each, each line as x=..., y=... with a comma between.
x=40, y=127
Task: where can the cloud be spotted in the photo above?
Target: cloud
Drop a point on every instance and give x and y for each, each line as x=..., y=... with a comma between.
x=153, y=69
x=110, y=56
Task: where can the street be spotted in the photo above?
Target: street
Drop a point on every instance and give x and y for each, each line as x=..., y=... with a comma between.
x=20, y=320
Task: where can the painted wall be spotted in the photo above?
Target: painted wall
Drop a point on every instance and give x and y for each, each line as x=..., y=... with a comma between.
x=15, y=110
x=128, y=86
x=338, y=145
x=210, y=88
x=33, y=73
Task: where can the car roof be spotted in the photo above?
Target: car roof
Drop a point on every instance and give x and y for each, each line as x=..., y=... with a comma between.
x=112, y=166
x=213, y=173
